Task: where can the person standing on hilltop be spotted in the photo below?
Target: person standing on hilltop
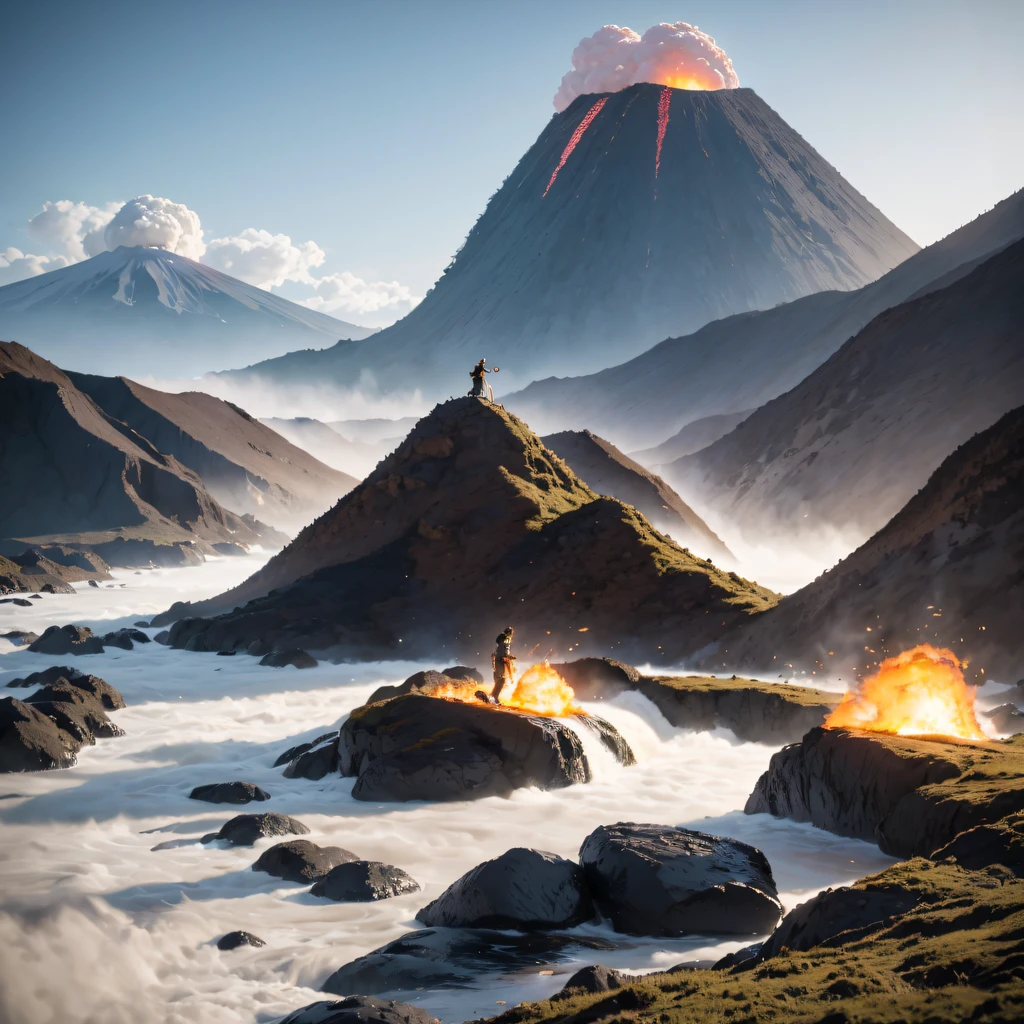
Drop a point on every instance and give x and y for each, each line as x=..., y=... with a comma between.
x=479, y=383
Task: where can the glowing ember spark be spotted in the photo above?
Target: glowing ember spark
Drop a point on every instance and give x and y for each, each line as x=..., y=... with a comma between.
x=664, y=100
x=920, y=692
x=540, y=690
x=574, y=140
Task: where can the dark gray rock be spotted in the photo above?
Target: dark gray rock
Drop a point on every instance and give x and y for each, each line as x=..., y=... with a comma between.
x=20, y=637
x=316, y=762
x=163, y=638
x=999, y=843
x=598, y=678
x=76, y=712
x=1006, y=719
x=359, y=1010
x=245, y=829
x=463, y=672
x=658, y=880
x=425, y=682
x=415, y=747
x=226, y=654
x=299, y=860
x=235, y=939
x=362, y=880
x=125, y=638
x=233, y=792
x=293, y=656
x=142, y=624
x=258, y=648
x=522, y=889
x=93, y=583
x=196, y=643
x=594, y=978
x=48, y=675
x=850, y=784
x=30, y=741
x=612, y=739
x=92, y=686
x=300, y=748
x=835, y=917
x=58, y=640
x=22, y=602
x=456, y=958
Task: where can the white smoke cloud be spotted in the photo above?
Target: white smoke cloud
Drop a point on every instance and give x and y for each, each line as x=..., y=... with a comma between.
x=613, y=58
x=263, y=259
x=346, y=293
x=157, y=223
x=72, y=230
x=16, y=265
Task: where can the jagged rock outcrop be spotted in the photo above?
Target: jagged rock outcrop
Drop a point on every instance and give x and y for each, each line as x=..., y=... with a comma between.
x=1002, y=842
x=609, y=471
x=314, y=763
x=658, y=880
x=522, y=889
x=470, y=521
x=61, y=640
x=946, y=569
x=50, y=569
x=911, y=796
x=360, y=881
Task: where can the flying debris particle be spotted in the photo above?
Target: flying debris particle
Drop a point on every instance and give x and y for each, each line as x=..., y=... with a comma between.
x=664, y=100
x=575, y=138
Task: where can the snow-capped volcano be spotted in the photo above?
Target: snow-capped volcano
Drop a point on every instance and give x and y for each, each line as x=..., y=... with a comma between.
x=148, y=311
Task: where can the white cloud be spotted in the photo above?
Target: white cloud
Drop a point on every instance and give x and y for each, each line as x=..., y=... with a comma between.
x=158, y=223
x=16, y=265
x=346, y=293
x=72, y=230
x=263, y=259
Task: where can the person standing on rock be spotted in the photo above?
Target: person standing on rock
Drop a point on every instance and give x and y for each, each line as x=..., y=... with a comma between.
x=502, y=660
x=480, y=386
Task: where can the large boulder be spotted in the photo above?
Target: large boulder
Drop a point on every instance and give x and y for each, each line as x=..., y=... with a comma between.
x=235, y=939
x=593, y=978
x=300, y=748
x=299, y=860
x=522, y=889
x=358, y=881
x=30, y=741
x=245, y=829
x=457, y=958
x=19, y=637
x=416, y=747
x=658, y=880
x=76, y=712
x=124, y=638
x=598, y=678
x=58, y=640
x=360, y=1010
x=234, y=792
x=109, y=698
x=316, y=762
x=425, y=682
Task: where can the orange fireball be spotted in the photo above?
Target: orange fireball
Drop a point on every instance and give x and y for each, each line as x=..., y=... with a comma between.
x=540, y=690
x=920, y=692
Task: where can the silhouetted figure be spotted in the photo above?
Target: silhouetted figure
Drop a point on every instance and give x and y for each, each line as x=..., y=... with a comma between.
x=502, y=660
x=480, y=386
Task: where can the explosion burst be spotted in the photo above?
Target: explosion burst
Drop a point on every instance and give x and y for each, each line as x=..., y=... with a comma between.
x=678, y=56
x=920, y=692
x=576, y=136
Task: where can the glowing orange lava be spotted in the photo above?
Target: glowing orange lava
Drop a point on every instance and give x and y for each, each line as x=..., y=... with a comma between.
x=920, y=692
x=575, y=138
x=540, y=690
x=664, y=100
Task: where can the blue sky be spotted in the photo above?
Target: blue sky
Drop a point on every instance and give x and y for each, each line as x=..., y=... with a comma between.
x=378, y=130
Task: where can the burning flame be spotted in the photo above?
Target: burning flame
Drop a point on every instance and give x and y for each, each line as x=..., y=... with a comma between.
x=920, y=692
x=575, y=138
x=540, y=690
x=664, y=100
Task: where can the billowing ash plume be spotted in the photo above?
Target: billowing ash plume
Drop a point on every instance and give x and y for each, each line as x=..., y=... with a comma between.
x=159, y=223
x=614, y=58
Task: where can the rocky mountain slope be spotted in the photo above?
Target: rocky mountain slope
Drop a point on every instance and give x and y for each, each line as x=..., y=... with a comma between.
x=73, y=474
x=150, y=312
x=469, y=525
x=243, y=463
x=743, y=361
x=610, y=472
x=851, y=443
x=947, y=569
x=615, y=231
x=328, y=445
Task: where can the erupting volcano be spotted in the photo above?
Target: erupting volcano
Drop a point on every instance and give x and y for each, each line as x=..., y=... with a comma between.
x=540, y=690
x=920, y=692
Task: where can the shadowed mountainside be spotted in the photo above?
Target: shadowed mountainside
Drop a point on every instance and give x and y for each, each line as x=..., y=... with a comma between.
x=594, y=248
x=610, y=472
x=470, y=524
x=849, y=445
x=948, y=568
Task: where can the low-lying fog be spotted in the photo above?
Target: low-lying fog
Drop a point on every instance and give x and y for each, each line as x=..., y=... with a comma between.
x=97, y=925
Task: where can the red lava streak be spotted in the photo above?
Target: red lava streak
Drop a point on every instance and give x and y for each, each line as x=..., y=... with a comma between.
x=576, y=136
x=663, y=103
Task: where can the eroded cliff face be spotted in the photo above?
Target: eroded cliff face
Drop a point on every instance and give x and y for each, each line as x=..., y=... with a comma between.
x=470, y=524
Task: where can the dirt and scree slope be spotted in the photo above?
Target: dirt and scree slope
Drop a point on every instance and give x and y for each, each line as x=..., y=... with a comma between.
x=608, y=471
x=851, y=443
x=469, y=525
x=948, y=569
x=74, y=474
